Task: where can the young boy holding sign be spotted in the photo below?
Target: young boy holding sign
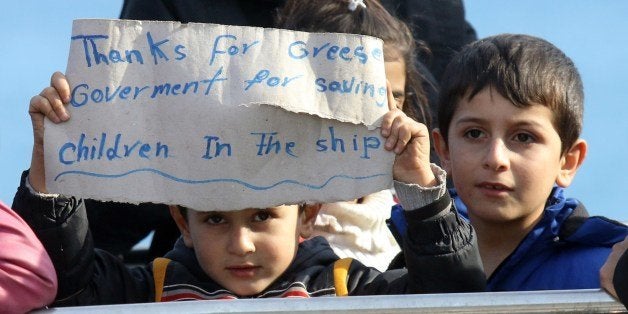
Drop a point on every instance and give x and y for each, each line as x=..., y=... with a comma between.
x=252, y=253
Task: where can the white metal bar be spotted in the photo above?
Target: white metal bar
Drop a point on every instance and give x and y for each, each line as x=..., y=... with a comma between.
x=554, y=301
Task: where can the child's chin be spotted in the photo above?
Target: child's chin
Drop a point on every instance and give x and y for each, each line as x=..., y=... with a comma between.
x=246, y=291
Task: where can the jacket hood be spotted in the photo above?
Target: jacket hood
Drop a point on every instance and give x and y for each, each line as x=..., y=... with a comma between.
x=566, y=220
x=313, y=252
x=187, y=257
x=564, y=242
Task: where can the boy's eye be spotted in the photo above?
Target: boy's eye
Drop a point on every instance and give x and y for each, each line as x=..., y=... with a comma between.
x=524, y=138
x=261, y=216
x=399, y=99
x=473, y=133
x=215, y=219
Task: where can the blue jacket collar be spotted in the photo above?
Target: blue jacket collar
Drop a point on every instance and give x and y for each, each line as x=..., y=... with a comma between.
x=565, y=221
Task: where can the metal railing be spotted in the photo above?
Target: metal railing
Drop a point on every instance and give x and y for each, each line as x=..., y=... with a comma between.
x=554, y=301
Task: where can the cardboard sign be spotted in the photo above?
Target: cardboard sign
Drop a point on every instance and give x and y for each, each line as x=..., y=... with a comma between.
x=217, y=117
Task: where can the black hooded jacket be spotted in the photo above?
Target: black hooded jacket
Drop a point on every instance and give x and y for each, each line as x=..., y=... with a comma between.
x=442, y=256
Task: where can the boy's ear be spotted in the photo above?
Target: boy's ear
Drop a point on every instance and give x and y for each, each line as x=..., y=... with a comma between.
x=440, y=145
x=570, y=162
x=182, y=223
x=308, y=217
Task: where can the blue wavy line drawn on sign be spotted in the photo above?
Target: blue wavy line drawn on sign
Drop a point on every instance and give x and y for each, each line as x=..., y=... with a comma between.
x=206, y=181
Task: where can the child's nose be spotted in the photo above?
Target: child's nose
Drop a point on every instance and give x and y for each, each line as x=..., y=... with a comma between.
x=240, y=241
x=496, y=157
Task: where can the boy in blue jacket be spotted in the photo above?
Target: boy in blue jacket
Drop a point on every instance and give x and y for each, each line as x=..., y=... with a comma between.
x=510, y=117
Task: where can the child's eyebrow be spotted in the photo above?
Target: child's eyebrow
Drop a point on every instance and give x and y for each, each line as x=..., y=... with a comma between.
x=269, y=209
x=470, y=120
x=209, y=213
x=518, y=123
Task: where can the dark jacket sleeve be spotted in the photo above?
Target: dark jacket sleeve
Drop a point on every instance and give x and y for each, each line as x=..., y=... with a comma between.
x=441, y=255
x=86, y=275
x=441, y=250
x=620, y=279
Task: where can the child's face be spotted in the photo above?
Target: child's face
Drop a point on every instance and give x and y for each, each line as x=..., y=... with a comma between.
x=504, y=160
x=396, y=75
x=246, y=250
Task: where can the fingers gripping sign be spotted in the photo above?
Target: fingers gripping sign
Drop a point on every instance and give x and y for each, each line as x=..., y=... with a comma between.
x=49, y=103
x=409, y=140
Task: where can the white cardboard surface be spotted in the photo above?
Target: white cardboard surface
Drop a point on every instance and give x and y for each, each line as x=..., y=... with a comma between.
x=217, y=117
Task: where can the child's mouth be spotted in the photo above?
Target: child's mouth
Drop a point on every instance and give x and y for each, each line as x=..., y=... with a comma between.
x=494, y=188
x=243, y=271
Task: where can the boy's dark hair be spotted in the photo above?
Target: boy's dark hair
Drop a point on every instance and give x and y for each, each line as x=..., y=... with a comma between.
x=334, y=16
x=523, y=69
